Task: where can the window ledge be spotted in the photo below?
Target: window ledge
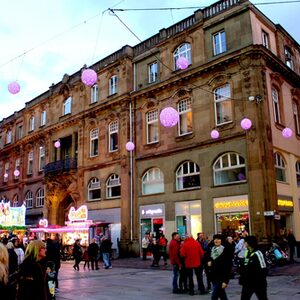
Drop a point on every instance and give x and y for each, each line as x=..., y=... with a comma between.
x=185, y=137
x=229, y=183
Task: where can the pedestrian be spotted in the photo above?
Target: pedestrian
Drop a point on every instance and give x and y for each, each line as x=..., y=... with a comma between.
x=162, y=243
x=145, y=245
x=220, y=268
x=106, y=252
x=292, y=244
x=19, y=250
x=174, y=254
x=192, y=253
x=230, y=245
x=86, y=259
x=51, y=279
x=53, y=255
x=77, y=254
x=155, y=252
x=32, y=274
x=254, y=272
x=93, y=254
x=240, y=249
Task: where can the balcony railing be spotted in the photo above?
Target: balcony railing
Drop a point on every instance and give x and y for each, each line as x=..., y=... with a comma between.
x=61, y=166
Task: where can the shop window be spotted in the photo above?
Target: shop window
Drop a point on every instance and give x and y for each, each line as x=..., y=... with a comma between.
x=229, y=224
x=29, y=199
x=280, y=168
x=113, y=136
x=113, y=186
x=276, y=105
x=40, y=198
x=94, y=93
x=183, y=50
x=229, y=168
x=152, y=126
x=298, y=173
x=223, y=105
x=187, y=176
x=94, y=142
x=94, y=189
x=153, y=182
x=185, y=125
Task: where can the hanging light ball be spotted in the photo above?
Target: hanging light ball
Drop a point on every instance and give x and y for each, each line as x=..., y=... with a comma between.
x=130, y=146
x=5, y=175
x=169, y=117
x=287, y=132
x=89, y=77
x=16, y=173
x=57, y=144
x=182, y=63
x=14, y=87
x=214, y=134
x=246, y=124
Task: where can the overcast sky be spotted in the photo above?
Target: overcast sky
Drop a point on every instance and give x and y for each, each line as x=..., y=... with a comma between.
x=43, y=40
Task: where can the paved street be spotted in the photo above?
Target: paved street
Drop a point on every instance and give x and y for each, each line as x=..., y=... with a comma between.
x=135, y=279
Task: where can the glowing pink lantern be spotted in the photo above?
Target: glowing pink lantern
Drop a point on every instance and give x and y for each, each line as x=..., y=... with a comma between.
x=57, y=144
x=169, y=117
x=287, y=132
x=14, y=87
x=246, y=124
x=89, y=77
x=5, y=175
x=130, y=146
x=16, y=173
x=214, y=134
x=182, y=63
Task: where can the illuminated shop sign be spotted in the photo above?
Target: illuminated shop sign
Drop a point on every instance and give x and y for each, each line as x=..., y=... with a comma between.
x=231, y=204
x=12, y=216
x=80, y=214
x=152, y=212
x=43, y=223
x=288, y=203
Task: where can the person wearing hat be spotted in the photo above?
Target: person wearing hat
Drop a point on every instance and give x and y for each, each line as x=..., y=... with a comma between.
x=219, y=263
x=254, y=271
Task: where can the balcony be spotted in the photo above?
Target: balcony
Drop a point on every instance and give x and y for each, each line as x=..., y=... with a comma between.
x=61, y=166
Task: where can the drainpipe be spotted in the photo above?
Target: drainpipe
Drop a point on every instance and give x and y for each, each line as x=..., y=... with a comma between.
x=131, y=173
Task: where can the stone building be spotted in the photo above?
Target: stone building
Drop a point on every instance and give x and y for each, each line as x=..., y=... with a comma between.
x=240, y=65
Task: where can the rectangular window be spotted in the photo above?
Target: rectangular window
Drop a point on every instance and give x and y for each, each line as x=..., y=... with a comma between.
x=42, y=158
x=6, y=172
x=31, y=123
x=94, y=93
x=265, y=39
x=17, y=167
x=113, y=136
x=296, y=118
x=276, y=106
x=185, y=124
x=19, y=132
x=152, y=126
x=30, y=163
x=219, y=42
x=113, y=85
x=94, y=142
x=68, y=106
x=288, y=58
x=43, y=118
x=8, y=136
x=223, y=109
x=152, y=68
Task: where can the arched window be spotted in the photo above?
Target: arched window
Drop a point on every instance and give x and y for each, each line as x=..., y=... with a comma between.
x=223, y=104
x=280, y=168
x=153, y=182
x=113, y=186
x=29, y=199
x=94, y=189
x=184, y=50
x=40, y=198
x=187, y=176
x=298, y=173
x=229, y=168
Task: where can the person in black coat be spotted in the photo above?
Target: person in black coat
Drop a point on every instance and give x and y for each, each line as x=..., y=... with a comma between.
x=53, y=255
x=292, y=244
x=77, y=254
x=254, y=271
x=93, y=254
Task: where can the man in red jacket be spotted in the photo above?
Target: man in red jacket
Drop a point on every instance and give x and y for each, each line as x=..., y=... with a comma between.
x=174, y=247
x=193, y=253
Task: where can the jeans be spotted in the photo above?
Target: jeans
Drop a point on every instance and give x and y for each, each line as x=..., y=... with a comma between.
x=106, y=259
x=218, y=292
x=175, y=277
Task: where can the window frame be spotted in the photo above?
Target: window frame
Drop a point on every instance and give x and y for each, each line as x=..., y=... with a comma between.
x=30, y=163
x=219, y=44
x=150, y=177
x=152, y=125
x=6, y=171
x=265, y=39
x=113, y=85
x=31, y=123
x=17, y=166
x=40, y=198
x=220, y=100
x=183, y=50
x=42, y=157
x=28, y=198
x=297, y=170
x=152, y=72
x=43, y=117
x=288, y=55
x=184, y=108
x=8, y=136
x=94, y=93
x=110, y=187
x=91, y=190
x=296, y=116
x=94, y=142
x=113, y=136
x=280, y=167
x=181, y=175
x=276, y=105
x=67, y=106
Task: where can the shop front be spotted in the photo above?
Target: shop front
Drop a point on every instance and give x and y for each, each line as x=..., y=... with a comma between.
x=284, y=216
x=231, y=214
x=152, y=219
x=188, y=217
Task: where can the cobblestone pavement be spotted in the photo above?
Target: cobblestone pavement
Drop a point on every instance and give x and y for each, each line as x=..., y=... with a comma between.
x=132, y=278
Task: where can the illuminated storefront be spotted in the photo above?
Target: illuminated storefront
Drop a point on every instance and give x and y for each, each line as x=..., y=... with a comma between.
x=188, y=217
x=285, y=212
x=231, y=214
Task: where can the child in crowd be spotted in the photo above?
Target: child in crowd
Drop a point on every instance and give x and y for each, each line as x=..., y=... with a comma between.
x=86, y=259
x=51, y=275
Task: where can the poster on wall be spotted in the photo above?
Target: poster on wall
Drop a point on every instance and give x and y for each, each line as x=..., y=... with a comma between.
x=12, y=216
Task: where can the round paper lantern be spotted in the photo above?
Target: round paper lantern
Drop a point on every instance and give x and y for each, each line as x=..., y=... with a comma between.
x=14, y=87
x=287, y=132
x=169, y=117
x=182, y=63
x=5, y=175
x=130, y=146
x=16, y=172
x=214, y=134
x=246, y=124
x=89, y=77
x=57, y=144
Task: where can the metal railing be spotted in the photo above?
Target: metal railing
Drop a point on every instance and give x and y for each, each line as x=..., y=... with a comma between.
x=61, y=166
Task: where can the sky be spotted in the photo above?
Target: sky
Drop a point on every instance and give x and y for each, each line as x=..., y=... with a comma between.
x=43, y=40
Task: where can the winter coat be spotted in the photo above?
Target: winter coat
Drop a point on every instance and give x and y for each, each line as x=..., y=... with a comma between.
x=174, y=248
x=192, y=253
